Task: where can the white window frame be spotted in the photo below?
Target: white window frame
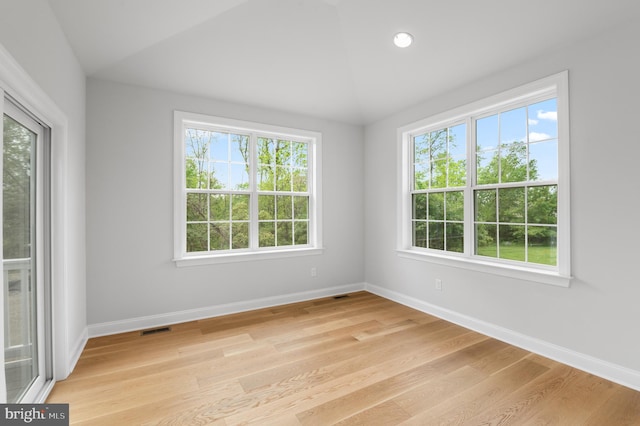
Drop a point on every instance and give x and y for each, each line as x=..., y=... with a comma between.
x=553, y=86
x=183, y=120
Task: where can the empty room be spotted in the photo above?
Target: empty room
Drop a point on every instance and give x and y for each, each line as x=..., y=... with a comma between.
x=317, y=212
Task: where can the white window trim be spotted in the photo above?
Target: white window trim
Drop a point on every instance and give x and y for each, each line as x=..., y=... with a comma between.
x=558, y=85
x=181, y=257
x=15, y=81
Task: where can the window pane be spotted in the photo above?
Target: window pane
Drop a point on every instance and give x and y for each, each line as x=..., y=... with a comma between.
x=266, y=151
x=283, y=153
x=301, y=232
x=513, y=163
x=196, y=144
x=438, y=144
x=436, y=206
x=542, y=242
x=299, y=180
x=239, y=235
x=219, y=146
x=486, y=206
x=420, y=149
x=301, y=208
x=266, y=234
x=197, y=153
x=511, y=242
x=457, y=173
x=284, y=207
x=266, y=178
x=300, y=154
x=487, y=133
x=513, y=126
x=197, y=207
x=439, y=174
x=285, y=233
x=219, y=177
x=266, y=207
x=196, y=173
x=436, y=235
x=455, y=237
x=283, y=179
x=487, y=163
x=543, y=161
x=219, y=207
x=455, y=205
x=197, y=237
x=542, y=204
x=419, y=234
x=420, y=206
x=240, y=148
x=511, y=205
x=422, y=174
x=240, y=209
x=240, y=176
x=458, y=142
x=220, y=236
x=543, y=120
x=486, y=240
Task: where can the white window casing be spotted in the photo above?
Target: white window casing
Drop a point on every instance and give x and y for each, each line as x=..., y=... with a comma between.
x=253, y=132
x=555, y=86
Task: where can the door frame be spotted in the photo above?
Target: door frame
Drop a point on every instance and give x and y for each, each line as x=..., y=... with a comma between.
x=40, y=225
x=16, y=82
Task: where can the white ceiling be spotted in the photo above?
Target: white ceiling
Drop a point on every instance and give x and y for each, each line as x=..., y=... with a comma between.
x=327, y=58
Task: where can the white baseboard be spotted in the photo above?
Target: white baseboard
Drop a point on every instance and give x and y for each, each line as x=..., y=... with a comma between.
x=141, y=323
x=613, y=372
x=77, y=349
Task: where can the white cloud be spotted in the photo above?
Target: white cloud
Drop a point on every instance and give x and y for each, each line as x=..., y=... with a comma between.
x=548, y=115
x=535, y=136
x=533, y=122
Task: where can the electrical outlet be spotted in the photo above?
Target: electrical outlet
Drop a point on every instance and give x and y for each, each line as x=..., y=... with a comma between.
x=314, y=272
x=438, y=284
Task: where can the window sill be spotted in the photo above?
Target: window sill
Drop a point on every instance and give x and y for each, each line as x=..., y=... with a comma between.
x=212, y=259
x=522, y=273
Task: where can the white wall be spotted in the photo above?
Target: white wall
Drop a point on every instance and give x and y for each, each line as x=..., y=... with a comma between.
x=130, y=211
x=30, y=32
x=598, y=315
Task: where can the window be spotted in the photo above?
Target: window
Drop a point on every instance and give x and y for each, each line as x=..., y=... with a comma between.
x=486, y=186
x=244, y=190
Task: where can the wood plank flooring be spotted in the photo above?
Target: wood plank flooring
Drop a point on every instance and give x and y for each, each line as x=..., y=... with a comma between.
x=357, y=360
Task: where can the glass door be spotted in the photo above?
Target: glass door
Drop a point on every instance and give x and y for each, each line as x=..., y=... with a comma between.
x=23, y=254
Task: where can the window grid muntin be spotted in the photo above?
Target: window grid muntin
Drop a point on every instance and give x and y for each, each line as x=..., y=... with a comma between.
x=429, y=223
x=525, y=184
x=526, y=223
x=471, y=186
x=279, y=222
x=253, y=192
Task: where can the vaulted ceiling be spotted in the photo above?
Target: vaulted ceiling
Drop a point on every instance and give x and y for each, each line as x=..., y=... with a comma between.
x=332, y=59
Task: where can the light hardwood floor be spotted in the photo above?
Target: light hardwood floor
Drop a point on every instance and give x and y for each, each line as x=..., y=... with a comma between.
x=357, y=360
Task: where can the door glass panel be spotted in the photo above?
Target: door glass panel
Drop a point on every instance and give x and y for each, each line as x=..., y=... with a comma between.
x=18, y=189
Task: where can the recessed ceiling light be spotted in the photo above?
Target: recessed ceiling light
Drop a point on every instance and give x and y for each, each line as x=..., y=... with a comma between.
x=403, y=39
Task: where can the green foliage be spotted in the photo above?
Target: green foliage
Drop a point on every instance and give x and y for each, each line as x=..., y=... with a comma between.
x=507, y=218
x=543, y=255
x=435, y=164
x=439, y=162
x=225, y=216
x=18, y=147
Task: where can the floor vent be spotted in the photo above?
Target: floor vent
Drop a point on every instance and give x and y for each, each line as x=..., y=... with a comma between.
x=342, y=296
x=155, y=331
